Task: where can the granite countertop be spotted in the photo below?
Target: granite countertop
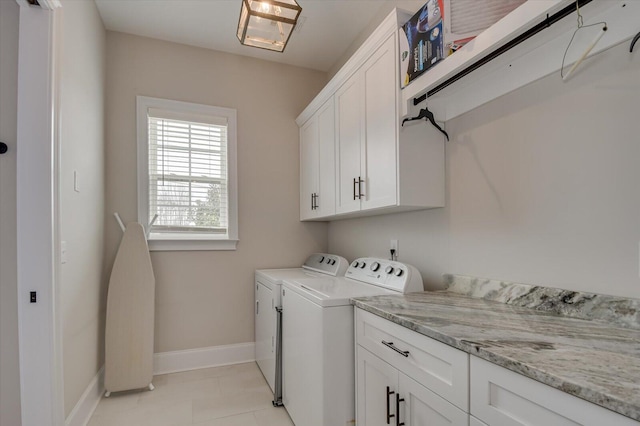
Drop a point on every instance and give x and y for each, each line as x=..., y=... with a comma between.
x=589, y=358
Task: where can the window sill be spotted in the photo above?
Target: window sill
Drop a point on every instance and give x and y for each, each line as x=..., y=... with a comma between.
x=192, y=243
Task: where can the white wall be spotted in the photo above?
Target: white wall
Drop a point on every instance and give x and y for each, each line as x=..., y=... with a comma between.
x=9, y=362
x=82, y=286
x=542, y=189
x=206, y=298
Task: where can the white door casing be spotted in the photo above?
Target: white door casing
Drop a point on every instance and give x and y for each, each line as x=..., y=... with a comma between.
x=40, y=333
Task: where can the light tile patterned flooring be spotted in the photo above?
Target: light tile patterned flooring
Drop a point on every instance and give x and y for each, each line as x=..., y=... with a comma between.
x=234, y=395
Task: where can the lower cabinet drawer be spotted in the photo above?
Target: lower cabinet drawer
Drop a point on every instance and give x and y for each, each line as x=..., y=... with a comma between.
x=441, y=368
x=502, y=397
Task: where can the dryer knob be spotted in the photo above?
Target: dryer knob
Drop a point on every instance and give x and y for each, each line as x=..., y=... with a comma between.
x=321, y=259
x=362, y=265
x=388, y=269
x=355, y=264
x=399, y=272
x=375, y=266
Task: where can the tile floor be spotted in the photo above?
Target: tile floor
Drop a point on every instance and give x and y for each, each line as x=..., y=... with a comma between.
x=234, y=395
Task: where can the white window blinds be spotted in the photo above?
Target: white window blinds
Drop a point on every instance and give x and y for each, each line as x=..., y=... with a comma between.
x=188, y=173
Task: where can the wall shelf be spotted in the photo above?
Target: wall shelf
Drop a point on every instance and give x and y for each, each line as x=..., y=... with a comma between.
x=529, y=61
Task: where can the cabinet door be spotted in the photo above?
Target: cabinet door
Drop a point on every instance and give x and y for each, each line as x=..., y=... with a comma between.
x=349, y=133
x=374, y=379
x=309, y=167
x=265, y=332
x=502, y=397
x=475, y=422
x=423, y=407
x=379, y=152
x=326, y=199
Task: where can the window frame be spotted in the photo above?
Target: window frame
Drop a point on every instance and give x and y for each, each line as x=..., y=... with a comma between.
x=184, y=241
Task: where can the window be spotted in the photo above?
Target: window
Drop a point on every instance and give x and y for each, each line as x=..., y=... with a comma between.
x=187, y=175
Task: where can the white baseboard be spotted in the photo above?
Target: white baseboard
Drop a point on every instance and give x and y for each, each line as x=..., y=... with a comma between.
x=192, y=359
x=88, y=402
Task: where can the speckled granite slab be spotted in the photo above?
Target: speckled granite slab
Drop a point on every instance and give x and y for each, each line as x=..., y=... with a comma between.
x=618, y=311
x=589, y=359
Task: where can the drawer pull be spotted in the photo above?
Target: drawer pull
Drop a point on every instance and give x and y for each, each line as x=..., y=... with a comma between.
x=390, y=346
x=389, y=415
x=398, y=401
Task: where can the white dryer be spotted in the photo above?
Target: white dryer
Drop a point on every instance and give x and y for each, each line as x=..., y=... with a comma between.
x=318, y=337
x=268, y=299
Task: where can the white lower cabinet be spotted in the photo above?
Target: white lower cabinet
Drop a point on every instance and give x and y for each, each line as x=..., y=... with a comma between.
x=405, y=378
x=387, y=396
x=502, y=397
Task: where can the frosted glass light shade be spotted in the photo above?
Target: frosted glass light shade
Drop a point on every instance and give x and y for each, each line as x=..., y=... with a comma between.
x=267, y=24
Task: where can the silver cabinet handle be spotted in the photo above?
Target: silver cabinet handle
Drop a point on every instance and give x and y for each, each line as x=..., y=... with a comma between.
x=390, y=346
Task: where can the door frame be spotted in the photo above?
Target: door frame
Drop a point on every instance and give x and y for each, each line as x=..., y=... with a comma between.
x=39, y=323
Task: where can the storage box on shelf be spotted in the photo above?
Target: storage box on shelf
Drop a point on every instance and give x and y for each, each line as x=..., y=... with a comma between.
x=380, y=167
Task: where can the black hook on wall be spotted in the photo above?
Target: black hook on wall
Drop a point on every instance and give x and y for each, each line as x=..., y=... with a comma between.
x=3, y=147
x=633, y=42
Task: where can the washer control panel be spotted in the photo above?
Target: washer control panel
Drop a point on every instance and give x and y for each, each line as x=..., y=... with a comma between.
x=385, y=273
x=329, y=264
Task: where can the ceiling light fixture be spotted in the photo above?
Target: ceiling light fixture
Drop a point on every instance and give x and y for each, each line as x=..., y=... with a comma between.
x=267, y=24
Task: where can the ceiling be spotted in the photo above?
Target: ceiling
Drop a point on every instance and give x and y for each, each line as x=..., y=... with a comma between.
x=325, y=30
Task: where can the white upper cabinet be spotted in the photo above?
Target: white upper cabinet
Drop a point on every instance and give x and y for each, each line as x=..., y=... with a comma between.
x=349, y=139
x=379, y=166
x=317, y=164
x=309, y=168
x=378, y=162
x=366, y=139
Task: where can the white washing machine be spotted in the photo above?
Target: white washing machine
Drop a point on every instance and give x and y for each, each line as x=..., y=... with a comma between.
x=318, y=337
x=268, y=299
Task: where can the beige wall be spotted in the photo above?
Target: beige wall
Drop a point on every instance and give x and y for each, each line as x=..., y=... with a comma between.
x=542, y=188
x=82, y=287
x=206, y=298
x=9, y=362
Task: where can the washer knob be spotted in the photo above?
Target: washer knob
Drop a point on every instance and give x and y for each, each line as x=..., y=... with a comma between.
x=321, y=259
x=399, y=272
x=362, y=265
x=388, y=269
x=355, y=264
x=375, y=266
